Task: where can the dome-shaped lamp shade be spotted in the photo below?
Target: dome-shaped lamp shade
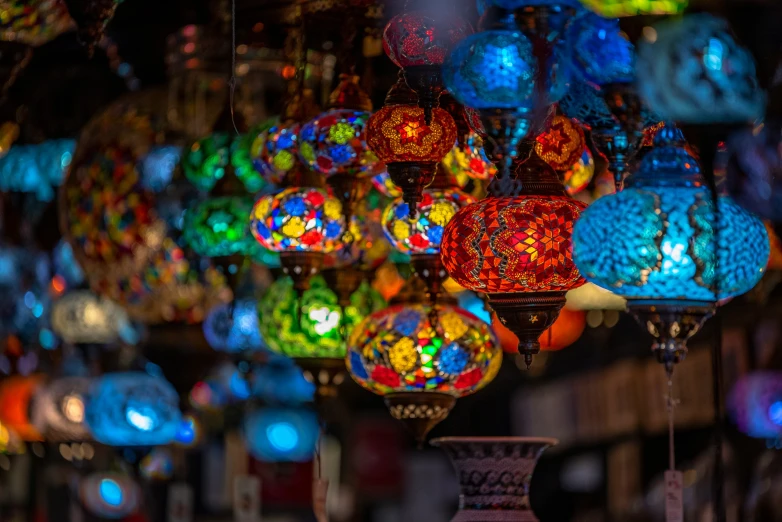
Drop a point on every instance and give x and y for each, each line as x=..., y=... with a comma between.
x=423, y=233
x=755, y=404
x=335, y=142
x=282, y=434
x=16, y=395
x=84, y=317
x=565, y=331
x=298, y=219
x=109, y=495
x=417, y=39
x=600, y=54
x=398, y=133
x=233, y=327
x=513, y=244
x=399, y=349
x=219, y=226
x=311, y=326
x=698, y=50
x=132, y=409
x=275, y=151
x=383, y=184
x=58, y=410
x=468, y=160
x=561, y=144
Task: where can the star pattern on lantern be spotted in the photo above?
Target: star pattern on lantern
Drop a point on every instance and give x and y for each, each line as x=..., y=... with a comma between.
x=408, y=135
x=562, y=144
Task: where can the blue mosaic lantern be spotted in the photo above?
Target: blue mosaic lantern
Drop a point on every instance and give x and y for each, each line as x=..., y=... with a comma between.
x=132, y=409
x=36, y=169
x=495, y=72
x=282, y=434
x=695, y=72
x=233, y=327
x=655, y=245
x=600, y=53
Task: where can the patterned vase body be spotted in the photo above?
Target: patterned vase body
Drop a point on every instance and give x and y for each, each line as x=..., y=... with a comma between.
x=494, y=476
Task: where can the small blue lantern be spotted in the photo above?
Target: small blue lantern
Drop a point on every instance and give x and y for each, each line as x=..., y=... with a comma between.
x=755, y=404
x=109, y=495
x=655, y=244
x=132, y=409
x=280, y=381
x=600, y=53
x=37, y=168
x=281, y=434
x=233, y=327
x=695, y=72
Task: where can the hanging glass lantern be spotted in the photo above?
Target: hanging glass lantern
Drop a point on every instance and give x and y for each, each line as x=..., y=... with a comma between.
x=218, y=226
x=655, y=244
x=411, y=149
x=421, y=359
x=418, y=43
x=282, y=434
x=132, y=409
x=157, y=465
x=505, y=98
x=578, y=176
x=561, y=144
x=469, y=161
x=515, y=246
x=755, y=403
x=58, y=410
x=275, y=151
x=83, y=317
x=302, y=224
x=16, y=394
x=233, y=327
x=37, y=169
x=698, y=50
x=109, y=495
x=600, y=54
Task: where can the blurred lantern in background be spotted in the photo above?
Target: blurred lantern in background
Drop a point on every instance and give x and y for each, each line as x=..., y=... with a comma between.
x=411, y=149
x=282, y=434
x=109, y=495
x=157, y=465
x=219, y=226
x=279, y=381
x=233, y=328
x=190, y=431
x=83, y=317
x=16, y=396
x=655, y=245
x=421, y=359
x=754, y=163
x=123, y=236
x=578, y=176
x=37, y=169
x=612, y=8
x=755, y=404
x=132, y=409
x=58, y=410
x=565, y=331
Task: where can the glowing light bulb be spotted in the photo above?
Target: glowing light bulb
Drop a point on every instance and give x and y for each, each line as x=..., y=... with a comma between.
x=111, y=492
x=73, y=408
x=282, y=436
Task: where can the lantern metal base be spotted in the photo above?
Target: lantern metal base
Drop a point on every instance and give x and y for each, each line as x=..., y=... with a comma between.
x=430, y=269
x=349, y=190
x=301, y=266
x=427, y=82
x=412, y=177
x=672, y=323
x=343, y=282
x=528, y=316
x=325, y=373
x=420, y=411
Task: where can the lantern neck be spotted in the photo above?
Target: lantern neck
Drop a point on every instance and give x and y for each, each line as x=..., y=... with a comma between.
x=668, y=164
x=349, y=95
x=532, y=177
x=400, y=93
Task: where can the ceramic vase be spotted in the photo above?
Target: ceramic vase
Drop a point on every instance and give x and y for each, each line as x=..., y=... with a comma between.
x=494, y=476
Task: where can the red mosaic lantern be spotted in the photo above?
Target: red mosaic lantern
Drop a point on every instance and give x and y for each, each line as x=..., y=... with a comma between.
x=516, y=247
x=411, y=149
x=561, y=144
x=418, y=42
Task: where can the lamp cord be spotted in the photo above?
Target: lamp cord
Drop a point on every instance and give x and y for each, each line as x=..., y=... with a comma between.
x=671, y=403
x=232, y=81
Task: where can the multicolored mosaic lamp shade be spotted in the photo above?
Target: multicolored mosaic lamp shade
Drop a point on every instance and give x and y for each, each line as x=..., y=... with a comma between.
x=622, y=8
x=132, y=409
x=335, y=142
x=420, y=39
x=298, y=219
x=755, y=404
x=275, y=151
x=313, y=326
x=561, y=144
x=659, y=243
x=698, y=50
x=600, y=54
x=282, y=434
x=468, y=160
x=577, y=177
x=234, y=327
x=206, y=162
x=399, y=349
x=34, y=22
x=383, y=184
x=423, y=233
x=219, y=226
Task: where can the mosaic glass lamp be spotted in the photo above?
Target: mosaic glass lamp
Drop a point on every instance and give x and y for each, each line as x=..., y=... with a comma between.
x=418, y=43
x=218, y=226
x=561, y=144
x=302, y=224
x=132, y=409
x=311, y=330
x=85, y=318
x=655, y=245
x=699, y=51
x=37, y=169
x=411, y=149
x=755, y=404
x=578, y=176
x=58, y=410
x=282, y=434
x=600, y=54
x=208, y=160
x=421, y=359
x=515, y=246
x=505, y=98
x=233, y=327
